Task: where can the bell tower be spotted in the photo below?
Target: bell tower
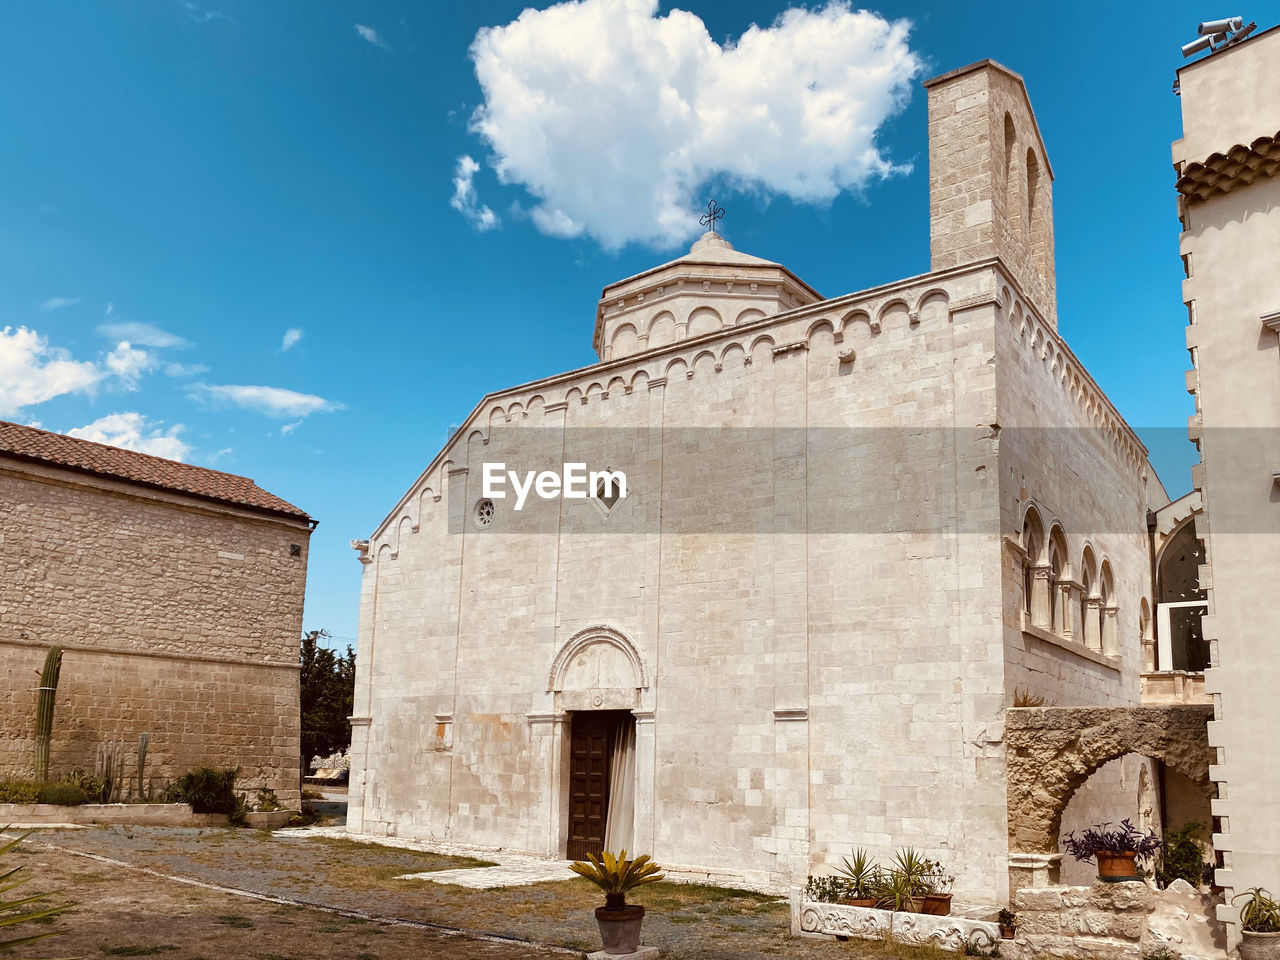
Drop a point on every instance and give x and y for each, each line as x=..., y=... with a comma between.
x=990, y=183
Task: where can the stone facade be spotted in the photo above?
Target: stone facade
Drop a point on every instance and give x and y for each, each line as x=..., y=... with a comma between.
x=813, y=600
x=179, y=616
x=1230, y=213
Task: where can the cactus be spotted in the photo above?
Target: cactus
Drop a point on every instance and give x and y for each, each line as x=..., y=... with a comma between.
x=107, y=767
x=44, y=710
x=143, y=740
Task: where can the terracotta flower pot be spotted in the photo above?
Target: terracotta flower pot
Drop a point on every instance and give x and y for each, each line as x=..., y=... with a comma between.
x=1008, y=931
x=862, y=902
x=1259, y=946
x=1114, y=867
x=937, y=904
x=620, y=929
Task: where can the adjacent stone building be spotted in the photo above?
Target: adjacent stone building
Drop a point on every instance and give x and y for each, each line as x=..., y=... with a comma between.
x=176, y=592
x=1226, y=163
x=855, y=531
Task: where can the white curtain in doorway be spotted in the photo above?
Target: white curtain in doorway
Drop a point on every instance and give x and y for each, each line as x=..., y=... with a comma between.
x=620, y=817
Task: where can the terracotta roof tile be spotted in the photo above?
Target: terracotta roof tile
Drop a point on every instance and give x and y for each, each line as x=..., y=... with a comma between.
x=56, y=449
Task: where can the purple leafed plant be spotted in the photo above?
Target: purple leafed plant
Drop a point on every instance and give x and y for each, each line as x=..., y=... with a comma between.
x=1104, y=838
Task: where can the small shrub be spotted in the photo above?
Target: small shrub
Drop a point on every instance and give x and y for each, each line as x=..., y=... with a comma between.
x=207, y=790
x=1161, y=953
x=95, y=788
x=1025, y=698
x=267, y=800
x=1181, y=857
x=306, y=817
x=62, y=794
x=1260, y=912
x=828, y=889
x=19, y=791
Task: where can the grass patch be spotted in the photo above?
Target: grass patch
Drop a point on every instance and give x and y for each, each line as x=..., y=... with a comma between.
x=136, y=950
x=234, y=920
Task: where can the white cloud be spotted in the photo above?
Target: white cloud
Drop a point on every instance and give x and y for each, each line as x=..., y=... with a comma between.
x=142, y=333
x=133, y=431
x=57, y=303
x=288, y=428
x=613, y=118
x=184, y=369
x=204, y=16
x=273, y=401
x=372, y=36
x=32, y=372
x=224, y=452
x=111, y=308
x=128, y=363
x=464, y=198
x=291, y=337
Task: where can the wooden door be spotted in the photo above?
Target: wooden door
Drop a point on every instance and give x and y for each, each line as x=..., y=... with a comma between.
x=588, y=783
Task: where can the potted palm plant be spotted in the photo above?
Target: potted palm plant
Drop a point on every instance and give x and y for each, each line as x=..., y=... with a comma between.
x=1117, y=849
x=906, y=883
x=619, y=921
x=1259, y=925
x=862, y=879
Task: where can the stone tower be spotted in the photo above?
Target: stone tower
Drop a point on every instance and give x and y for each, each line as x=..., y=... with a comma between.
x=990, y=183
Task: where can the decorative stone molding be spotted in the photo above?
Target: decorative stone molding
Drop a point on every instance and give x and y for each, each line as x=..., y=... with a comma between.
x=585, y=638
x=361, y=547
x=1272, y=322
x=959, y=934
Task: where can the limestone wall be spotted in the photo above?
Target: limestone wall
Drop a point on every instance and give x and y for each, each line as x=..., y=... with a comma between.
x=179, y=619
x=815, y=626
x=1228, y=248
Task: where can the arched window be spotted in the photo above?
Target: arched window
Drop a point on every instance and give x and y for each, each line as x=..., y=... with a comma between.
x=1012, y=200
x=1086, y=632
x=1033, y=186
x=1107, y=611
x=1032, y=544
x=1059, y=612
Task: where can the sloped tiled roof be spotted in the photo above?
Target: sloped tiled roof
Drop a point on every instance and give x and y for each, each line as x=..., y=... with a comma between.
x=85, y=456
x=1240, y=165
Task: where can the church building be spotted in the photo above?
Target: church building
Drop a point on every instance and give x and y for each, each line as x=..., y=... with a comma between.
x=854, y=530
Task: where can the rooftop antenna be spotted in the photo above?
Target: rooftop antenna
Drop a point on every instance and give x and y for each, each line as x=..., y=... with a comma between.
x=1215, y=35
x=714, y=212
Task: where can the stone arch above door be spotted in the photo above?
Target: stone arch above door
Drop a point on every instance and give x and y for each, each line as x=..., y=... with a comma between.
x=598, y=668
x=1051, y=751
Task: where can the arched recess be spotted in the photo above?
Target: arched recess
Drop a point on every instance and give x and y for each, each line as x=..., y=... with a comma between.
x=1090, y=633
x=1059, y=581
x=598, y=668
x=1051, y=751
x=1012, y=195
x=704, y=320
x=1035, y=597
x=626, y=341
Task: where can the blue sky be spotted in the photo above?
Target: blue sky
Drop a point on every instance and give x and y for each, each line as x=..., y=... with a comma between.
x=182, y=185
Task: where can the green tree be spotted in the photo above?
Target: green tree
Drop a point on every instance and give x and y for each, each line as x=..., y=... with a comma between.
x=328, y=684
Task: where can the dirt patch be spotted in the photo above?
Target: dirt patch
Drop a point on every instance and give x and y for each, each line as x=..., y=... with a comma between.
x=123, y=913
x=686, y=921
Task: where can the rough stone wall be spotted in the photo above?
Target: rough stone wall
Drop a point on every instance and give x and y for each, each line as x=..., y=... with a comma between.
x=1114, y=921
x=179, y=620
x=807, y=609
x=1053, y=750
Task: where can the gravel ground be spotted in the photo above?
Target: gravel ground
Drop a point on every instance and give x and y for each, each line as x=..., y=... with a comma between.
x=685, y=921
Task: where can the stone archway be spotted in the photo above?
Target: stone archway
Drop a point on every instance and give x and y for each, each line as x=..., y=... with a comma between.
x=1051, y=751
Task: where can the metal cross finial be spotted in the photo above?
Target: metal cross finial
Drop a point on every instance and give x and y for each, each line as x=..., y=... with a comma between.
x=714, y=212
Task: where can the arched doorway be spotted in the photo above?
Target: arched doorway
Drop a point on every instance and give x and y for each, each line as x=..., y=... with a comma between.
x=597, y=680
